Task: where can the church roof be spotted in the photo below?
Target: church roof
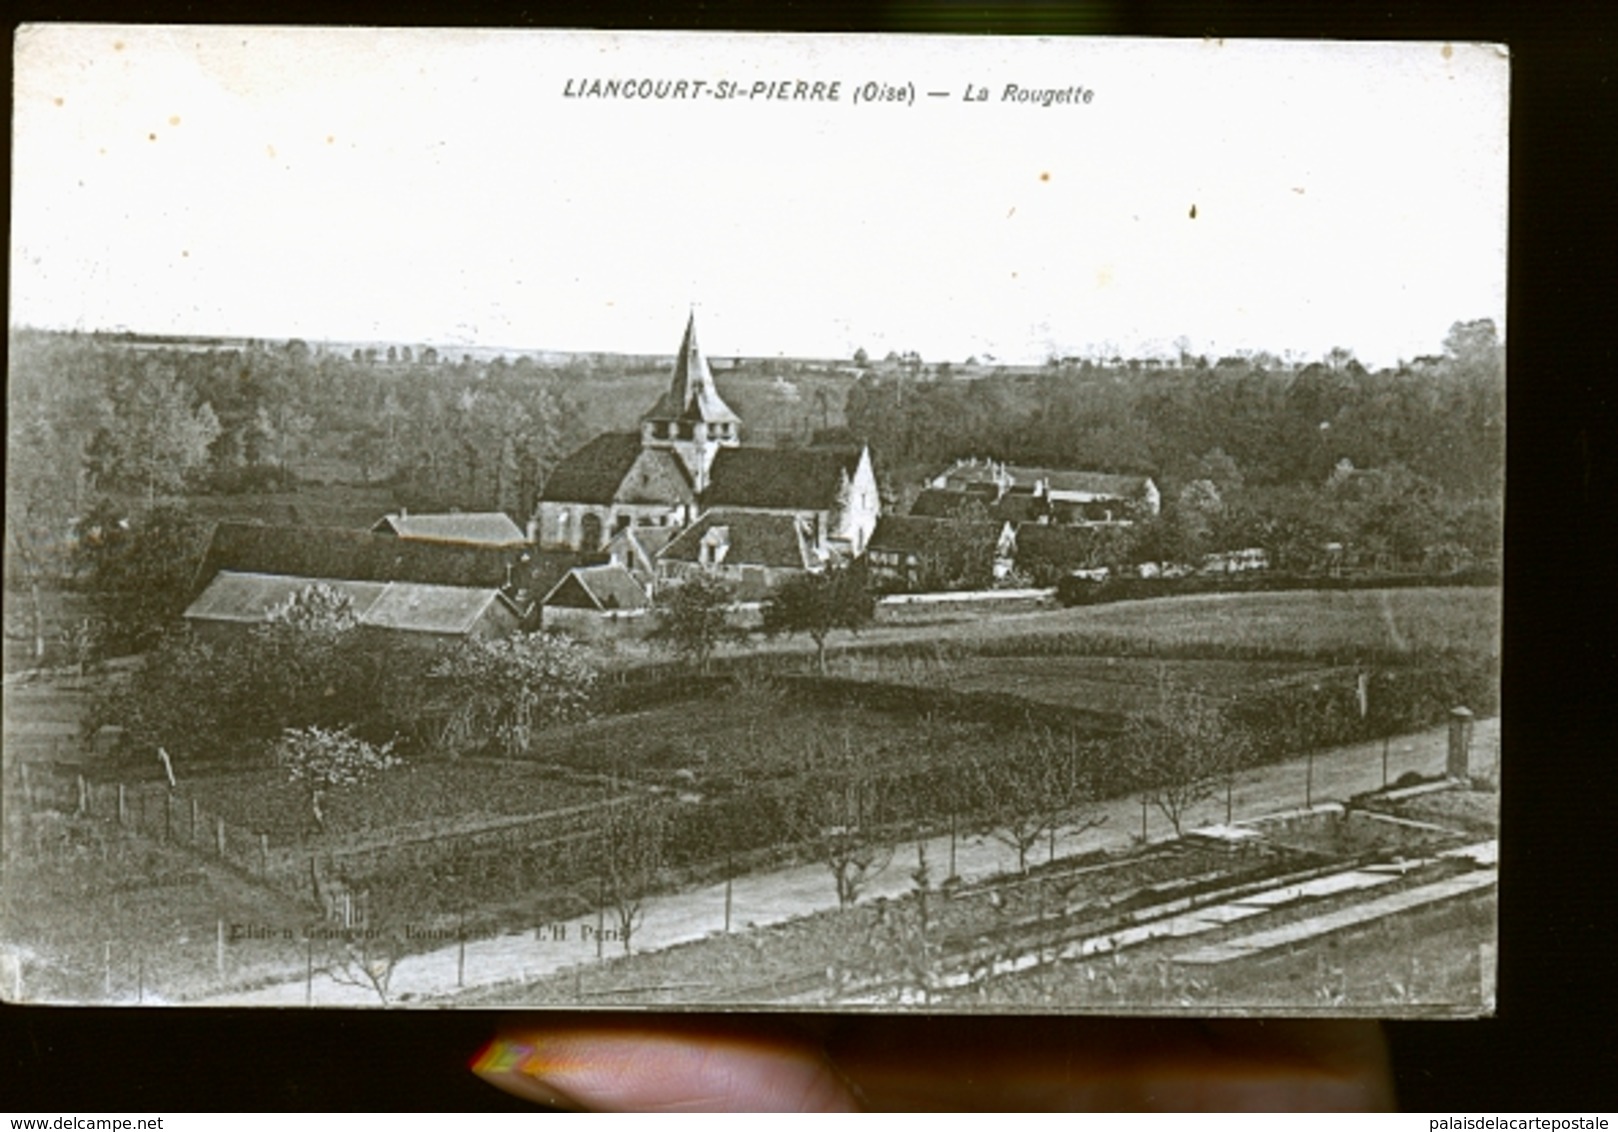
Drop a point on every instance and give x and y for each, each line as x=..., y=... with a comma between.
x=597, y=473
x=781, y=479
x=691, y=394
x=592, y=474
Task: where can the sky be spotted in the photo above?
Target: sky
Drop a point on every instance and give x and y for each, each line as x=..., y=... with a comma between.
x=441, y=187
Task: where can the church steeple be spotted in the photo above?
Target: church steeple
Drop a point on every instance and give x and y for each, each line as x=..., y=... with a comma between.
x=691, y=418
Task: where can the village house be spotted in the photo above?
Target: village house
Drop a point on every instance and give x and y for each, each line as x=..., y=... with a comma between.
x=907, y=552
x=636, y=550
x=1059, y=496
x=587, y=596
x=751, y=551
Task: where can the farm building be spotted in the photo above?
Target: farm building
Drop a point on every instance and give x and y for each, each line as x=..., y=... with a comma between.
x=364, y=556
x=466, y=528
x=589, y=595
x=233, y=602
x=907, y=552
x=1068, y=496
x=753, y=551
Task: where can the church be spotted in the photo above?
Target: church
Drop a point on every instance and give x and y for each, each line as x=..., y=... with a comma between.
x=687, y=464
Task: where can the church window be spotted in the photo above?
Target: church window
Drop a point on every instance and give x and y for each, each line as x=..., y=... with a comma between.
x=590, y=532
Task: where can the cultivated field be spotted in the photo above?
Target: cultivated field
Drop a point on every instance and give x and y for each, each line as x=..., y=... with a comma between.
x=1330, y=626
x=906, y=709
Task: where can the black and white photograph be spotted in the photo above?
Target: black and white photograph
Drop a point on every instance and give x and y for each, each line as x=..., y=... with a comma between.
x=610, y=520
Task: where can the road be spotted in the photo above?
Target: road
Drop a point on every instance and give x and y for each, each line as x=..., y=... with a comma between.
x=771, y=897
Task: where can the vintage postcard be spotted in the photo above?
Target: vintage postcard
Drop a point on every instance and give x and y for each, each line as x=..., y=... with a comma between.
x=727, y=522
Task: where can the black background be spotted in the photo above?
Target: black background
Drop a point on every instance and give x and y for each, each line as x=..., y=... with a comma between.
x=1554, y=1045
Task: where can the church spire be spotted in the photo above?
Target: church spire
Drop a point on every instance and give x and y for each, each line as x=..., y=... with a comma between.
x=691, y=418
x=691, y=395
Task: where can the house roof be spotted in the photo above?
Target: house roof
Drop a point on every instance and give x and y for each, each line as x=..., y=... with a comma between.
x=783, y=479
x=414, y=608
x=642, y=543
x=691, y=395
x=249, y=598
x=964, y=473
x=403, y=606
x=945, y=503
x=750, y=538
x=911, y=534
x=606, y=587
x=479, y=528
x=336, y=552
x=1085, y=483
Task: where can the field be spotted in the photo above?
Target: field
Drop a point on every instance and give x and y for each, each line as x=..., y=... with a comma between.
x=1112, y=684
x=96, y=915
x=418, y=799
x=1327, y=626
x=906, y=708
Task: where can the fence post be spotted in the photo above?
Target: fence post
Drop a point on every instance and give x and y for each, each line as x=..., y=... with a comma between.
x=27, y=786
x=263, y=854
x=194, y=820
x=219, y=949
x=84, y=796
x=219, y=835
x=122, y=806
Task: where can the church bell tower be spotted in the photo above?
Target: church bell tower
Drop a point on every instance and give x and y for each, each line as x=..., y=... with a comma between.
x=691, y=419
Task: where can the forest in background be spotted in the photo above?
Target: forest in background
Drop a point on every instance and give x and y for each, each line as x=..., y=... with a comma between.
x=1399, y=468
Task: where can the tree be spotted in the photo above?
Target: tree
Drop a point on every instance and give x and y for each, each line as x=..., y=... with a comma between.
x=505, y=690
x=830, y=810
x=837, y=597
x=952, y=561
x=634, y=832
x=861, y=358
x=158, y=439
x=138, y=572
x=692, y=620
x=1030, y=791
x=42, y=488
x=1180, y=754
x=322, y=760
